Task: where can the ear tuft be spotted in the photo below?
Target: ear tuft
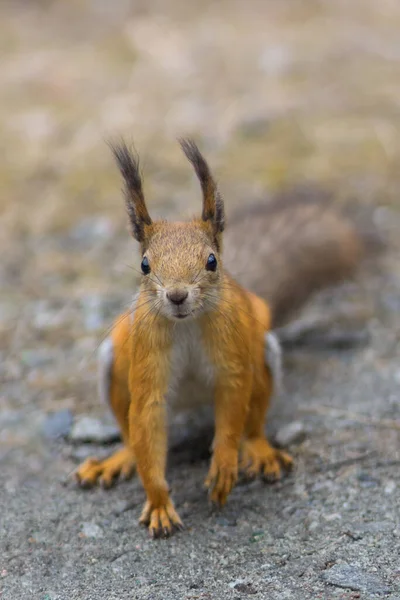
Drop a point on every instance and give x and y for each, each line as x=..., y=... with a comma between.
x=128, y=164
x=213, y=206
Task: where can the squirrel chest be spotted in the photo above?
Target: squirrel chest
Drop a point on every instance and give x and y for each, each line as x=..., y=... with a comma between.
x=191, y=379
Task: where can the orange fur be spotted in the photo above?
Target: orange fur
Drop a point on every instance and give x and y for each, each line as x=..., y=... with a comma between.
x=215, y=334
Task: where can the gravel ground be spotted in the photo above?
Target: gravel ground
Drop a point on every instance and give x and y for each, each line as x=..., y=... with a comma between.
x=277, y=94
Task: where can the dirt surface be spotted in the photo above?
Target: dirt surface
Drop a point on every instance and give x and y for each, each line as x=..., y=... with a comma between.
x=277, y=94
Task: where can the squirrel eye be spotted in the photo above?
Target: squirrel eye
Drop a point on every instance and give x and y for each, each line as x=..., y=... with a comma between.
x=211, y=263
x=145, y=266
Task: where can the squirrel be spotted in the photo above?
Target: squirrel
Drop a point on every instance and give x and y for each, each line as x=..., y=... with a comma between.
x=195, y=335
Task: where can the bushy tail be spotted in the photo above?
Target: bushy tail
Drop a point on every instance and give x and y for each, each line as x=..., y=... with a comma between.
x=288, y=248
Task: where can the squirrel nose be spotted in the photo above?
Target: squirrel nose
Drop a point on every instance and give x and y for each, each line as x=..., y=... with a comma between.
x=177, y=296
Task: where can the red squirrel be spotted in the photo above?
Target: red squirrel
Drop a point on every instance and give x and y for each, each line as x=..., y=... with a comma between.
x=195, y=335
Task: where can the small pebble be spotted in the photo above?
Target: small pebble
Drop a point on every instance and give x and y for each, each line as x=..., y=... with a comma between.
x=245, y=588
x=233, y=584
x=390, y=487
x=89, y=429
x=256, y=536
x=91, y=530
x=292, y=433
x=367, y=480
x=354, y=578
x=57, y=424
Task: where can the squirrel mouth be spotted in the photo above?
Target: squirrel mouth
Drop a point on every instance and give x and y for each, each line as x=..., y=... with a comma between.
x=179, y=316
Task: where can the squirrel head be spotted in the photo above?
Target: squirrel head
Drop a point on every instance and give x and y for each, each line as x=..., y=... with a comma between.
x=181, y=262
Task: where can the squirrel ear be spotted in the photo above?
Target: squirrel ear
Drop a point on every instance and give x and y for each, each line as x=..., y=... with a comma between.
x=213, y=206
x=128, y=165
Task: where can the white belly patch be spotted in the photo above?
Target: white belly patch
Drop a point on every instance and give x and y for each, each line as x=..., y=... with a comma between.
x=192, y=375
x=191, y=382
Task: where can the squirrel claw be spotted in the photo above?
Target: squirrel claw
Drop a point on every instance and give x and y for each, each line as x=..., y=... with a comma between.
x=270, y=478
x=153, y=533
x=220, y=481
x=84, y=484
x=162, y=521
x=106, y=484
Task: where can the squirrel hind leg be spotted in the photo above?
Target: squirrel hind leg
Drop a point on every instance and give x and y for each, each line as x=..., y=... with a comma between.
x=113, y=390
x=258, y=457
x=120, y=465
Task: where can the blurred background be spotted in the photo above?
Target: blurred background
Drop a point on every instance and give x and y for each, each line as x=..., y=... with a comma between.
x=276, y=93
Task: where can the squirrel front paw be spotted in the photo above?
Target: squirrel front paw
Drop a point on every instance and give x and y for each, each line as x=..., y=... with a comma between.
x=222, y=475
x=162, y=521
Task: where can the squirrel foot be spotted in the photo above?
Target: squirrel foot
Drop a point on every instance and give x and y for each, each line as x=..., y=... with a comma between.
x=259, y=457
x=162, y=521
x=222, y=475
x=105, y=472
